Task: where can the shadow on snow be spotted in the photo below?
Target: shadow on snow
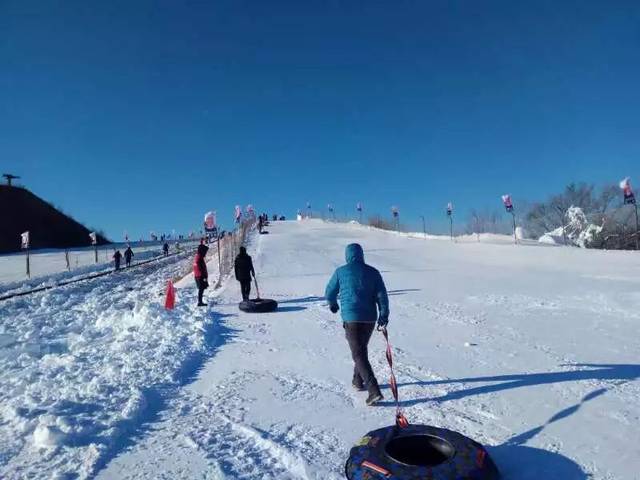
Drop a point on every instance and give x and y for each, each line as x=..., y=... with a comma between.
x=513, y=458
x=216, y=334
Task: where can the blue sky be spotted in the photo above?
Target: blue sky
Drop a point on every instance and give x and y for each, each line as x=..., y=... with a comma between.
x=143, y=115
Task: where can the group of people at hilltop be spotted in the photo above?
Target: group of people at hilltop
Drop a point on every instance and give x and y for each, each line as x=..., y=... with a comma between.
x=363, y=304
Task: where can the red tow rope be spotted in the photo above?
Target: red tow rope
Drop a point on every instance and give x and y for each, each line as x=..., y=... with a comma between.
x=401, y=420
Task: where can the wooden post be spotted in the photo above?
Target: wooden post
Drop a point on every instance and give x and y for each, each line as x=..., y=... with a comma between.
x=95, y=248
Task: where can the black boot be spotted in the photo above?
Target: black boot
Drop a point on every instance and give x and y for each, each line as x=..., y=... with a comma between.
x=357, y=383
x=374, y=393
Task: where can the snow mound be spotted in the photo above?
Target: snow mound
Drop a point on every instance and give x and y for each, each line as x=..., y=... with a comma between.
x=81, y=367
x=577, y=231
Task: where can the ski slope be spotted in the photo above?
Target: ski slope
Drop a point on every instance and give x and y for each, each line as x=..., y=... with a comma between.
x=532, y=351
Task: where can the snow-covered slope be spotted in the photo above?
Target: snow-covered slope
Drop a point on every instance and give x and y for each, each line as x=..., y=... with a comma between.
x=532, y=351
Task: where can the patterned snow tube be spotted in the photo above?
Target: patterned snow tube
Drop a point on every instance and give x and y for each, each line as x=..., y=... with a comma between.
x=419, y=452
x=258, y=305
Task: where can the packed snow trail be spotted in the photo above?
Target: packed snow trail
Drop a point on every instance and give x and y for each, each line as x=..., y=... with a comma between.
x=82, y=366
x=532, y=351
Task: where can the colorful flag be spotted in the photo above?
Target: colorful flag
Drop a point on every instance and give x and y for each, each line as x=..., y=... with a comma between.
x=629, y=197
x=508, y=204
x=24, y=239
x=209, y=221
x=94, y=238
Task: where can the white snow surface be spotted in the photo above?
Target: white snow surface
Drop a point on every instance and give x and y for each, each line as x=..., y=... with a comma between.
x=531, y=351
x=48, y=267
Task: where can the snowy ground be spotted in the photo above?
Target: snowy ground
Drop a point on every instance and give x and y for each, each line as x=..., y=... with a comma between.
x=49, y=266
x=532, y=351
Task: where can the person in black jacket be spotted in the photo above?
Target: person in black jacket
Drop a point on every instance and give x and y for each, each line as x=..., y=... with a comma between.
x=200, y=272
x=116, y=258
x=165, y=248
x=128, y=253
x=244, y=271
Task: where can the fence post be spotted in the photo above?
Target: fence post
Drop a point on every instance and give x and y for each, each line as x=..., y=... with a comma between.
x=637, y=229
x=28, y=264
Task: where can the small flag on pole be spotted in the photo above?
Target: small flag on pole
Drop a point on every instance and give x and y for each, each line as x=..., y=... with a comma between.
x=629, y=197
x=93, y=237
x=395, y=211
x=359, y=206
x=508, y=204
x=209, y=221
x=238, y=213
x=449, y=209
x=24, y=240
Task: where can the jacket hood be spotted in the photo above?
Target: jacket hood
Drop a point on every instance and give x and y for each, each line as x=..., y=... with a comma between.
x=353, y=253
x=203, y=249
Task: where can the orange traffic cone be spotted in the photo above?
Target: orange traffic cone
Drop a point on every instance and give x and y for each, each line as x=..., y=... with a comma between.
x=170, y=301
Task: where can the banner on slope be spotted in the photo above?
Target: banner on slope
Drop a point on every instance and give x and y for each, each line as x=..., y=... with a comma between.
x=94, y=238
x=629, y=197
x=210, y=222
x=24, y=240
x=508, y=204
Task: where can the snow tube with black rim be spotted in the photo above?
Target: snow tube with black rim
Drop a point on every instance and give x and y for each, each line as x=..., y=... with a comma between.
x=419, y=452
x=258, y=305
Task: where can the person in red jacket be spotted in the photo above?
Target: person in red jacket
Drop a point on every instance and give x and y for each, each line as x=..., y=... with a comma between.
x=200, y=272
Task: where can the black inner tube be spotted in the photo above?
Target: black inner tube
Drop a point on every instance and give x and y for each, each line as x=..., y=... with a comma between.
x=419, y=450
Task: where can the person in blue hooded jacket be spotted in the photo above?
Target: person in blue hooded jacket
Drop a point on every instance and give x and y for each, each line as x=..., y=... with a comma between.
x=363, y=298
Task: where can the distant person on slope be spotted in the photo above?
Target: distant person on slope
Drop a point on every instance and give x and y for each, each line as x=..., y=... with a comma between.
x=244, y=270
x=128, y=254
x=361, y=290
x=116, y=259
x=200, y=272
x=165, y=248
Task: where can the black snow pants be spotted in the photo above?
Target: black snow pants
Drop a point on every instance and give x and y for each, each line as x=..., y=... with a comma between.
x=358, y=335
x=245, y=289
x=202, y=285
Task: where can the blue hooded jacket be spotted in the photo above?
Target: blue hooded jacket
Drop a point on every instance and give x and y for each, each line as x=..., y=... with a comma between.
x=361, y=289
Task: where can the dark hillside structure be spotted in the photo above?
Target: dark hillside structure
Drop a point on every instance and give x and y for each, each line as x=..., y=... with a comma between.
x=21, y=210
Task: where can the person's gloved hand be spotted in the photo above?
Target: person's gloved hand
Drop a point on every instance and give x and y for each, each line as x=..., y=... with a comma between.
x=382, y=322
x=334, y=308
